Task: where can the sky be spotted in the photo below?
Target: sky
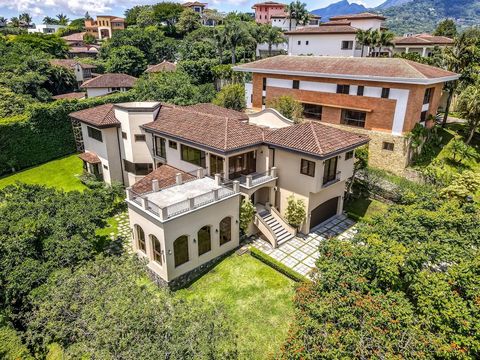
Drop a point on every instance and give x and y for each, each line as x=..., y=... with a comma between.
x=77, y=8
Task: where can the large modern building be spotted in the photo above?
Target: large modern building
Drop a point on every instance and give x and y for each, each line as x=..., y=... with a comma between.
x=187, y=168
x=382, y=97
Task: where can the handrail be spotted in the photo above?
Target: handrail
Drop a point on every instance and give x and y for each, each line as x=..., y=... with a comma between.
x=261, y=223
x=274, y=212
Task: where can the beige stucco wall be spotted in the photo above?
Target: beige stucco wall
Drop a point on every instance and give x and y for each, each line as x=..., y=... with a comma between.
x=187, y=224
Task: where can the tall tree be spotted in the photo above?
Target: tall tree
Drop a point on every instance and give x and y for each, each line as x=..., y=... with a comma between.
x=169, y=13
x=126, y=60
x=26, y=18
x=469, y=108
x=363, y=37
x=236, y=34
x=189, y=20
x=15, y=21
x=62, y=19
x=47, y=20
x=272, y=36
x=297, y=11
x=446, y=28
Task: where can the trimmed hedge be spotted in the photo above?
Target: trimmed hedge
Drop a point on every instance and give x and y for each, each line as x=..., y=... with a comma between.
x=44, y=132
x=277, y=265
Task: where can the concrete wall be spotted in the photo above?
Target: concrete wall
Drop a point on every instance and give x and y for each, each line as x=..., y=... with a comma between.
x=94, y=92
x=366, y=24
x=188, y=224
x=320, y=44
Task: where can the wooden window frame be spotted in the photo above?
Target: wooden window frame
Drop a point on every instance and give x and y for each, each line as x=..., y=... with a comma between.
x=307, y=167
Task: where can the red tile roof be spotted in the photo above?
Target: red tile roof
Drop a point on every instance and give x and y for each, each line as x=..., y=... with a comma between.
x=336, y=22
x=70, y=64
x=72, y=95
x=89, y=157
x=209, y=129
x=423, y=39
x=110, y=80
x=163, y=66
x=74, y=37
x=368, y=69
x=99, y=116
x=314, y=138
x=166, y=176
x=268, y=3
x=324, y=29
x=210, y=109
x=92, y=49
x=365, y=15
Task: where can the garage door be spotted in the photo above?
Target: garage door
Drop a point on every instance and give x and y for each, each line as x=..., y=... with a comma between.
x=323, y=212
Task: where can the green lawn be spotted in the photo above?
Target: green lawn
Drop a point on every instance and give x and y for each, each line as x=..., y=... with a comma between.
x=60, y=173
x=362, y=208
x=258, y=299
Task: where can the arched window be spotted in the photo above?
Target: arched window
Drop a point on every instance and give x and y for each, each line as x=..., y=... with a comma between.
x=141, y=238
x=157, y=249
x=225, y=230
x=180, y=250
x=204, y=240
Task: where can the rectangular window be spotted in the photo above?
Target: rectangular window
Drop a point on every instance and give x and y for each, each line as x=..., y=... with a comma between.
x=385, y=93
x=330, y=170
x=137, y=168
x=347, y=45
x=307, y=167
x=427, y=96
x=193, y=156
x=264, y=84
x=353, y=118
x=388, y=146
x=140, y=138
x=299, y=42
x=311, y=111
x=349, y=155
x=160, y=147
x=360, y=90
x=296, y=84
x=307, y=42
x=124, y=135
x=263, y=100
x=423, y=116
x=343, y=89
x=94, y=134
x=172, y=144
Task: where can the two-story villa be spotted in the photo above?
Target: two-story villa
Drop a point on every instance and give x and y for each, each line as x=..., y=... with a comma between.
x=382, y=97
x=187, y=169
x=82, y=71
x=264, y=11
x=104, y=26
x=107, y=83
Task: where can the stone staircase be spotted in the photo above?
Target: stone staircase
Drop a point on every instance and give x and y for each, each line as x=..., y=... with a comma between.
x=280, y=232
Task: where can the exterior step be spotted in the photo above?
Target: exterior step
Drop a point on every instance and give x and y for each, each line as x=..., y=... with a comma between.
x=276, y=227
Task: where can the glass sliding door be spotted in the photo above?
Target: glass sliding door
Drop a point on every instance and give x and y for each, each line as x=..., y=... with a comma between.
x=216, y=165
x=242, y=164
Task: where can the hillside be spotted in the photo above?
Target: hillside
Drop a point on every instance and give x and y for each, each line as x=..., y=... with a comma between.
x=340, y=8
x=391, y=3
x=423, y=15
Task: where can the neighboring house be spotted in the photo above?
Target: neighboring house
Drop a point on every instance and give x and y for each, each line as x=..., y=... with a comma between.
x=283, y=22
x=83, y=72
x=78, y=48
x=266, y=10
x=107, y=83
x=104, y=26
x=187, y=169
x=336, y=37
x=382, y=97
x=46, y=29
x=75, y=39
x=422, y=44
x=163, y=66
x=196, y=6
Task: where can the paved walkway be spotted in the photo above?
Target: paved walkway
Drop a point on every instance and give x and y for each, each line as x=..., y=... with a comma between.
x=300, y=253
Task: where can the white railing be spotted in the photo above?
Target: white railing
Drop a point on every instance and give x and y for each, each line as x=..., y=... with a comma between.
x=255, y=179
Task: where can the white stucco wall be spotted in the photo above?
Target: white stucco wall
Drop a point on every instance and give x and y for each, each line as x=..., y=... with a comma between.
x=93, y=92
x=320, y=44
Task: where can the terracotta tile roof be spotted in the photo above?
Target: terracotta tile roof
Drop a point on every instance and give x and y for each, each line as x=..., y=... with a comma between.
x=194, y=3
x=324, y=29
x=118, y=19
x=72, y=95
x=70, y=64
x=99, y=116
x=110, y=80
x=211, y=109
x=166, y=176
x=268, y=3
x=423, y=39
x=74, y=37
x=210, y=130
x=89, y=157
x=314, y=138
x=163, y=66
x=83, y=50
x=365, y=15
x=369, y=69
x=336, y=22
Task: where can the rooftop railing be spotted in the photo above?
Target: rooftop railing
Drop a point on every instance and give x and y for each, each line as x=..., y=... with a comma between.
x=255, y=179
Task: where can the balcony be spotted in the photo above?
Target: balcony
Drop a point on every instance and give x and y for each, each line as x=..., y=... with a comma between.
x=186, y=196
x=257, y=179
x=328, y=181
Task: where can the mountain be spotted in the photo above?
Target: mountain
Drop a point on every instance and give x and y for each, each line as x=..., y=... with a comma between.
x=340, y=8
x=391, y=3
x=423, y=15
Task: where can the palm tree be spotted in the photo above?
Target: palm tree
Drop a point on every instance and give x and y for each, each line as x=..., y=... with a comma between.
x=469, y=108
x=297, y=11
x=47, y=20
x=272, y=36
x=15, y=21
x=26, y=18
x=220, y=42
x=62, y=19
x=363, y=38
x=385, y=40
x=236, y=34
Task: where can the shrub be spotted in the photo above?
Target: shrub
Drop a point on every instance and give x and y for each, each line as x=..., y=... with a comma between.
x=288, y=107
x=231, y=97
x=295, y=213
x=247, y=212
x=277, y=265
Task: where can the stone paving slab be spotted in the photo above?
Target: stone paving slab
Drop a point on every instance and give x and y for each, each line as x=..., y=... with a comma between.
x=301, y=253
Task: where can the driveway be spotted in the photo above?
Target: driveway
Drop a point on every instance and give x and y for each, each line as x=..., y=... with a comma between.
x=301, y=252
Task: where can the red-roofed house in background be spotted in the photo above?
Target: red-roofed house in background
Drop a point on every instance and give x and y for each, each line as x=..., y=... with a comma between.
x=196, y=6
x=422, y=44
x=381, y=97
x=104, y=26
x=81, y=70
x=107, y=83
x=187, y=167
x=265, y=10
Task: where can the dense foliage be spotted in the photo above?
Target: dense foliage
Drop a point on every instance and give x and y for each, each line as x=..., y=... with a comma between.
x=231, y=97
x=407, y=285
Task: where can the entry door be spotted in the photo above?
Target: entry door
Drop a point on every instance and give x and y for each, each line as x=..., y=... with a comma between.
x=323, y=212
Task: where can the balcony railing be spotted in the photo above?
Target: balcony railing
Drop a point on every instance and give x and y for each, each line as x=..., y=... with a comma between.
x=331, y=181
x=255, y=179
